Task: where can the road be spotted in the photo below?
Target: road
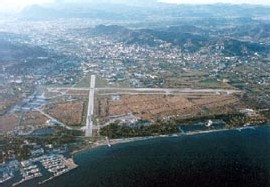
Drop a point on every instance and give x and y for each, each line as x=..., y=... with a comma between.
x=90, y=110
x=53, y=119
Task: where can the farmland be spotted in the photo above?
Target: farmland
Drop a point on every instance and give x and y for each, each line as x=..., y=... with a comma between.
x=33, y=118
x=70, y=113
x=153, y=107
x=8, y=122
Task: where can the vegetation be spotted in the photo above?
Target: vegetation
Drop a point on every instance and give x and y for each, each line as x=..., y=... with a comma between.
x=115, y=130
x=159, y=128
x=231, y=120
x=17, y=146
x=266, y=114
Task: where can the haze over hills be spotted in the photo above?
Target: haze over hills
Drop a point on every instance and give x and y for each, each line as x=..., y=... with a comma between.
x=137, y=10
x=191, y=38
x=130, y=2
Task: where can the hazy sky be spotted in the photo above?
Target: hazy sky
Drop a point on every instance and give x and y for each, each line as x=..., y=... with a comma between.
x=263, y=2
x=18, y=4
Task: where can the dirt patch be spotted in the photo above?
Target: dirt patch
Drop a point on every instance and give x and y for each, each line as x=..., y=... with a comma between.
x=153, y=107
x=33, y=118
x=69, y=113
x=8, y=122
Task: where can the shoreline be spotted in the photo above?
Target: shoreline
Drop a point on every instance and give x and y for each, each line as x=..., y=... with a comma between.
x=133, y=139
x=106, y=142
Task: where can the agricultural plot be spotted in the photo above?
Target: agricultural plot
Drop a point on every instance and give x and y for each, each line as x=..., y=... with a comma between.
x=70, y=113
x=153, y=107
x=33, y=118
x=8, y=122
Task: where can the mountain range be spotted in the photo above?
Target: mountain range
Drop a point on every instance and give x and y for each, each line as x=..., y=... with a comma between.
x=191, y=38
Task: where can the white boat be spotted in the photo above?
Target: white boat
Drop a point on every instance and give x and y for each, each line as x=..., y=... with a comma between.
x=247, y=124
x=209, y=123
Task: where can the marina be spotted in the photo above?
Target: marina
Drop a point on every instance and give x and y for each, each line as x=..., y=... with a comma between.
x=41, y=169
x=6, y=177
x=57, y=165
x=29, y=173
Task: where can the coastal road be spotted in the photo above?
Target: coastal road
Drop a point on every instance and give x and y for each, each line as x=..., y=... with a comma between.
x=90, y=110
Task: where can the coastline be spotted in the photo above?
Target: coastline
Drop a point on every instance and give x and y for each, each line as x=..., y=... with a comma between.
x=106, y=143
x=133, y=139
x=115, y=141
x=169, y=141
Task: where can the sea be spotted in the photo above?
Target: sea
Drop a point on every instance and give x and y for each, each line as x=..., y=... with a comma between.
x=225, y=158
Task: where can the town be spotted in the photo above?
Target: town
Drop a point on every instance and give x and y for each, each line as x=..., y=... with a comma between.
x=78, y=83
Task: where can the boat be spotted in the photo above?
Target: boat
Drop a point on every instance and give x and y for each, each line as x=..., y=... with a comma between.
x=209, y=123
x=247, y=124
x=108, y=142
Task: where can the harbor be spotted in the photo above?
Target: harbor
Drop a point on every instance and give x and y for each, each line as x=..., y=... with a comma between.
x=6, y=177
x=57, y=165
x=29, y=172
x=41, y=169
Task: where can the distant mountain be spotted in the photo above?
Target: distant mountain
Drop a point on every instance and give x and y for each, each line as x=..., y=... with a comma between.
x=193, y=27
x=126, y=2
x=186, y=29
x=13, y=52
x=258, y=31
x=38, y=12
x=102, y=9
x=109, y=30
x=232, y=47
x=139, y=10
x=188, y=38
x=123, y=34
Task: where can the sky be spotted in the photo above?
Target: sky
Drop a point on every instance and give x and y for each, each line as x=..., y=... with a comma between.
x=262, y=2
x=7, y=5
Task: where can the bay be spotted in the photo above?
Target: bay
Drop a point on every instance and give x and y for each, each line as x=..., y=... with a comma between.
x=225, y=158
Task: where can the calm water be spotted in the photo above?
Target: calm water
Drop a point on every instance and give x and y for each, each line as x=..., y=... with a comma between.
x=228, y=158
